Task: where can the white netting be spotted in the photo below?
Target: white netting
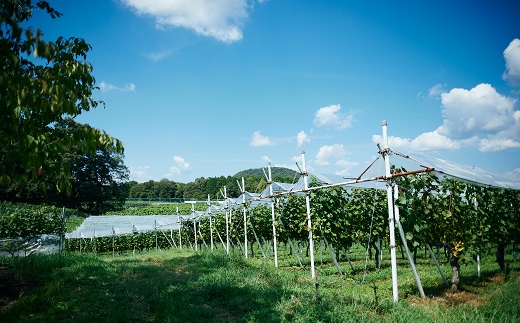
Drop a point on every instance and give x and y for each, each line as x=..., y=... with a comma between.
x=100, y=226
x=108, y=225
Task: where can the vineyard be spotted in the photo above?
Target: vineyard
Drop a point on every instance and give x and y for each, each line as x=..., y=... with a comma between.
x=462, y=219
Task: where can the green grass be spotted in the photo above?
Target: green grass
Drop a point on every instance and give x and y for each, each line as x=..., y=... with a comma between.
x=183, y=286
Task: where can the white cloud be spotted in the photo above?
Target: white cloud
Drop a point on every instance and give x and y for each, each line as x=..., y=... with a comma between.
x=498, y=144
x=258, y=140
x=266, y=159
x=335, y=155
x=140, y=173
x=514, y=174
x=329, y=117
x=329, y=154
x=484, y=113
x=302, y=138
x=436, y=90
x=346, y=166
x=106, y=87
x=297, y=158
x=159, y=56
x=480, y=117
x=427, y=141
x=512, y=57
x=180, y=167
x=220, y=19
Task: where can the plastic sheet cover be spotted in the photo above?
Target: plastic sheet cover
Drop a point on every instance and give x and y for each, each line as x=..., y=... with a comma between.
x=108, y=225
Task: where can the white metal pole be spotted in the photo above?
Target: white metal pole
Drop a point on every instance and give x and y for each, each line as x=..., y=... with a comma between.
x=227, y=221
x=245, y=216
x=180, y=226
x=194, y=225
x=391, y=221
x=270, y=179
x=309, y=222
x=210, y=223
x=478, y=265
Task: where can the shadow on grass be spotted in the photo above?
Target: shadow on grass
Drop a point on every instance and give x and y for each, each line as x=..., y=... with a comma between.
x=199, y=287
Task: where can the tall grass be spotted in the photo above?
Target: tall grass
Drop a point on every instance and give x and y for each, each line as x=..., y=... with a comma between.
x=183, y=286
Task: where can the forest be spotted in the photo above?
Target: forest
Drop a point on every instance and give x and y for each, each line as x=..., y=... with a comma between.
x=201, y=187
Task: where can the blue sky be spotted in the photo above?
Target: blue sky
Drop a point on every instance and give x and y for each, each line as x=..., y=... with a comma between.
x=204, y=88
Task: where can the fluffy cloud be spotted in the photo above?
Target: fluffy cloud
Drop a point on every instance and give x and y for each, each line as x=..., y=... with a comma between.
x=140, y=173
x=481, y=113
x=302, y=138
x=258, y=140
x=106, y=87
x=512, y=57
x=498, y=143
x=328, y=154
x=480, y=117
x=346, y=166
x=266, y=159
x=329, y=116
x=481, y=110
x=181, y=166
x=427, y=141
x=334, y=155
x=220, y=19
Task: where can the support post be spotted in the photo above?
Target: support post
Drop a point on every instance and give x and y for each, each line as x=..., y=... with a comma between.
x=270, y=181
x=478, y=265
x=332, y=255
x=227, y=222
x=194, y=224
x=180, y=227
x=437, y=264
x=155, y=230
x=309, y=222
x=210, y=223
x=243, y=188
x=391, y=220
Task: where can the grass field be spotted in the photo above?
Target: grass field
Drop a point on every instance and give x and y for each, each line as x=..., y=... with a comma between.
x=210, y=286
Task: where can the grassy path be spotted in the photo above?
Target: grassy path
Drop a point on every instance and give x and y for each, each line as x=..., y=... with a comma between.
x=182, y=286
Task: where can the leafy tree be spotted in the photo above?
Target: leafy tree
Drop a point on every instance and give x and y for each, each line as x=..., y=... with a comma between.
x=165, y=188
x=41, y=84
x=98, y=181
x=196, y=189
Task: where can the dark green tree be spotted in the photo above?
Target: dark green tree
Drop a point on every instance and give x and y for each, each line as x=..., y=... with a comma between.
x=41, y=84
x=165, y=188
x=98, y=180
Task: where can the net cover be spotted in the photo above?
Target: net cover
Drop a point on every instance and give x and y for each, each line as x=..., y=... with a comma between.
x=108, y=225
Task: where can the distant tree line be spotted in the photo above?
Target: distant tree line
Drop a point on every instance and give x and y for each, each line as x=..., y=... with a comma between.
x=201, y=187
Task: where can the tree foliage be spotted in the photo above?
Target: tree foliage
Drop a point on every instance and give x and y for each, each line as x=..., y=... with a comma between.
x=201, y=187
x=42, y=83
